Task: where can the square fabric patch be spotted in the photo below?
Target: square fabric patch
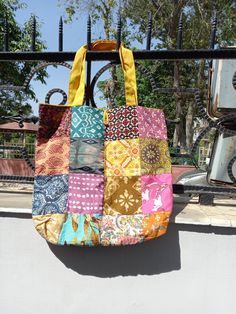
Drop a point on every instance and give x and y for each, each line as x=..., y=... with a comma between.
x=85, y=193
x=49, y=226
x=87, y=156
x=50, y=195
x=122, y=158
x=157, y=193
x=81, y=229
x=122, y=196
x=87, y=122
x=54, y=121
x=155, y=225
x=155, y=157
x=152, y=123
x=121, y=229
x=123, y=123
x=52, y=156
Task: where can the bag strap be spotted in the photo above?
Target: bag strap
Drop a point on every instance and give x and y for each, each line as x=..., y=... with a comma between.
x=77, y=74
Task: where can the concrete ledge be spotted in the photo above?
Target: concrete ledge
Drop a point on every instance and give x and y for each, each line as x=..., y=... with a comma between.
x=188, y=211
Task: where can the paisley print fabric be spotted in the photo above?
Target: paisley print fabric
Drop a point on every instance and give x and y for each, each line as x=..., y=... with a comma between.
x=54, y=122
x=81, y=229
x=157, y=193
x=155, y=225
x=152, y=123
x=85, y=193
x=122, y=196
x=87, y=155
x=122, y=158
x=52, y=156
x=87, y=122
x=155, y=157
x=121, y=229
x=50, y=194
x=123, y=123
x=49, y=226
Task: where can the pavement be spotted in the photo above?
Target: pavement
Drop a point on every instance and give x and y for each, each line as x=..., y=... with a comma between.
x=15, y=200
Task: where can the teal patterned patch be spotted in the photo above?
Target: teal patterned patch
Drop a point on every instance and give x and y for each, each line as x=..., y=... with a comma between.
x=87, y=122
x=81, y=229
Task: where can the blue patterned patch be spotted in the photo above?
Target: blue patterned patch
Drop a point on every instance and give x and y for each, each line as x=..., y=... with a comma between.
x=87, y=122
x=50, y=194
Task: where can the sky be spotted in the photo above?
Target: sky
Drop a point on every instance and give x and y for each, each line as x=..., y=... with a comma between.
x=48, y=13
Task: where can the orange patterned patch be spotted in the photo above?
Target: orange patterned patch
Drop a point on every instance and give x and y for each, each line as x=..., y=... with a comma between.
x=52, y=156
x=155, y=225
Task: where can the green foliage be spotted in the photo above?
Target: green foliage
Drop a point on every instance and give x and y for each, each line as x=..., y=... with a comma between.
x=197, y=17
x=15, y=73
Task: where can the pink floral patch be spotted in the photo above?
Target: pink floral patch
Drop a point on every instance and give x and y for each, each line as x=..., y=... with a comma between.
x=157, y=193
x=152, y=123
x=85, y=194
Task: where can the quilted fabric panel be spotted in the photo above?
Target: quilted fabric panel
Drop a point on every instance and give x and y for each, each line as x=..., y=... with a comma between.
x=155, y=225
x=123, y=124
x=121, y=229
x=122, y=196
x=152, y=123
x=52, y=156
x=87, y=122
x=87, y=155
x=81, y=229
x=122, y=158
x=50, y=195
x=86, y=193
x=49, y=226
x=155, y=157
x=156, y=193
x=54, y=122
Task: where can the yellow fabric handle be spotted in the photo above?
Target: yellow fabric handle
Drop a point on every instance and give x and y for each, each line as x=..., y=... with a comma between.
x=77, y=74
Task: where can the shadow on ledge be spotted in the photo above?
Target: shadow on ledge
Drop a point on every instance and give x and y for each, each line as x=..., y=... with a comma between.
x=152, y=257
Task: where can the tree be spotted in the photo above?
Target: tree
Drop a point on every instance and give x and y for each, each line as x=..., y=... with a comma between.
x=197, y=17
x=15, y=73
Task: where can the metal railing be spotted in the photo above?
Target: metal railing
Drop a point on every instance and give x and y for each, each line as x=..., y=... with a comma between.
x=60, y=57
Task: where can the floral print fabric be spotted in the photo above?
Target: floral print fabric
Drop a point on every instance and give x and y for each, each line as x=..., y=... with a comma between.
x=101, y=184
x=121, y=229
x=157, y=193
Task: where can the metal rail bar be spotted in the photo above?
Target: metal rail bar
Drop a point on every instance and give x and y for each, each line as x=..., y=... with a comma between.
x=190, y=54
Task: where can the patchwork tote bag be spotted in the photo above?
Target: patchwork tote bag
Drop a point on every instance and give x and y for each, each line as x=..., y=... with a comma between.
x=102, y=177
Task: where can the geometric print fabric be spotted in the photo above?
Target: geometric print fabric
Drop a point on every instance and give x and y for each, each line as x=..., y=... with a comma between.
x=121, y=208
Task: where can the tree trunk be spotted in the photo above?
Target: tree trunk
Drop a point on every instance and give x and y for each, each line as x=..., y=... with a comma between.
x=189, y=124
x=179, y=134
x=192, y=107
